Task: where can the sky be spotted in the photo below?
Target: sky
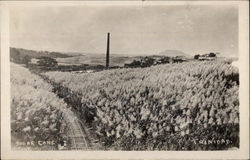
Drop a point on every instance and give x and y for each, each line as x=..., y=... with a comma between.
x=138, y=29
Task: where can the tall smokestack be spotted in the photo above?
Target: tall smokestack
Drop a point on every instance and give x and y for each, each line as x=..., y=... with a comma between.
x=107, y=53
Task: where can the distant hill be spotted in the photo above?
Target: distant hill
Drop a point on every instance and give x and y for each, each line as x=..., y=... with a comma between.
x=36, y=54
x=19, y=55
x=173, y=53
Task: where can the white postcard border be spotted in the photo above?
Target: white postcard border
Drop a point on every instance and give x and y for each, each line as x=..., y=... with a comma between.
x=242, y=153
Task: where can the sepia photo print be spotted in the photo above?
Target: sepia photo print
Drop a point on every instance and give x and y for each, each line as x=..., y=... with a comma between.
x=125, y=77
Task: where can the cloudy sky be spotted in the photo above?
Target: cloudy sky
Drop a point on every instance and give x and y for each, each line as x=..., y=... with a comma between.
x=134, y=29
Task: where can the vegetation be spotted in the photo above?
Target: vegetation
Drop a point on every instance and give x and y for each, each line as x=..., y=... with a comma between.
x=186, y=106
x=153, y=60
x=196, y=56
x=212, y=54
x=18, y=58
x=153, y=103
x=35, y=111
x=23, y=56
x=47, y=62
x=209, y=56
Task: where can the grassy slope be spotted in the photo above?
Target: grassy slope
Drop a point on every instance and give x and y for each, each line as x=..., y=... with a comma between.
x=188, y=102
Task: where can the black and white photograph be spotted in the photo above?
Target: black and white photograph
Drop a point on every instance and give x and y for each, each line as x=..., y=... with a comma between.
x=124, y=77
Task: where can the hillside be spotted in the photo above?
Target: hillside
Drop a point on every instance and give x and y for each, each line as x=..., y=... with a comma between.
x=164, y=107
x=18, y=55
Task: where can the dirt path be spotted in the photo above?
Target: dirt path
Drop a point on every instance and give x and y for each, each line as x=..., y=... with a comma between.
x=77, y=132
x=76, y=135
